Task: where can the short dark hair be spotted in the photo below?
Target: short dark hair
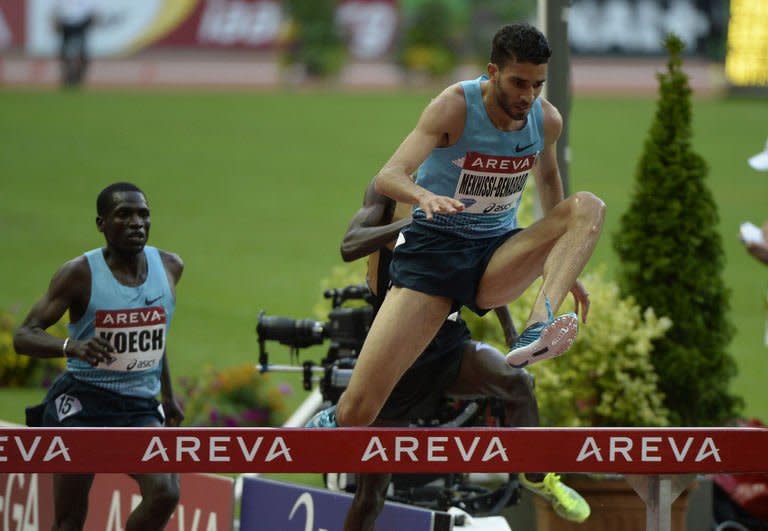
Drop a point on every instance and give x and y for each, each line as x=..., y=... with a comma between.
x=519, y=42
x=105, y=201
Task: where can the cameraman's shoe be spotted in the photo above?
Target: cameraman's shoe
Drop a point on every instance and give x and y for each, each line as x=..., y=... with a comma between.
x=566, y=502
x=544, y=340
x=323, y=419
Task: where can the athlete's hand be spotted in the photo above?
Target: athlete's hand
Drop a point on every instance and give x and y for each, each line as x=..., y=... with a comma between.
x=507, y=326
x=94, y=351
x=581, y=300
x=759, y=251
x=439, y=204
x=173, y=413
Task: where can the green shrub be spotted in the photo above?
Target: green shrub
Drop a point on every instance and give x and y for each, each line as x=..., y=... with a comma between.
x=20, y=370
x=671, y=259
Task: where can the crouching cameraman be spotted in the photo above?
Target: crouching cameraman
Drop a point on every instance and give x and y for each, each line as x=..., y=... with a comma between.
x=452, y=365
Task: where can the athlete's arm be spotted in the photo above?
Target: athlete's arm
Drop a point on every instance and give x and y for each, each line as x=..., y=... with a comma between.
x=437, y=127
x=370, y=228
x=69, y=289
x=174, y=268
x=759, y=250
x=507, y=325
x=171, y=408
x=548, y=182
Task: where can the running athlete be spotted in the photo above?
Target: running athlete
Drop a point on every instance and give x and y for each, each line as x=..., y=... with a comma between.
x=473, y=149
x=120, y=300
x=453, y=365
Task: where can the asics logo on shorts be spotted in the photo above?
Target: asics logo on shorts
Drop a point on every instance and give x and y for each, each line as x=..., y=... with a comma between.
x=66, y=406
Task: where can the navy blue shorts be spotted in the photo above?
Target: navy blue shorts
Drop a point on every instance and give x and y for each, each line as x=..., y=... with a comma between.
x=72, y=403
x=437, y=263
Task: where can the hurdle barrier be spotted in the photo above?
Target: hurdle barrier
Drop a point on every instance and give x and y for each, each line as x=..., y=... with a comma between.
x=658, y=462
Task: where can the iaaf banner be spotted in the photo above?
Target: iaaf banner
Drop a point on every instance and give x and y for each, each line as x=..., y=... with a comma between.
x=622, y=450
x=206, y=503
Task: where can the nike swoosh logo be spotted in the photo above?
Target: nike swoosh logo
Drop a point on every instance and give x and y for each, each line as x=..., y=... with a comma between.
x=518, y=149
x=148, y=301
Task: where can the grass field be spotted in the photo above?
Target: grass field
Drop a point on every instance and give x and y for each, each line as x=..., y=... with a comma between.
x=255, y=190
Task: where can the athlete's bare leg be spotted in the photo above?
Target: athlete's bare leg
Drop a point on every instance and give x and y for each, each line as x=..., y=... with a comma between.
x=159, y=497
x=486, y=373
x=557, y=247
x=404, y=326
x=368, y=502
x=70, y=500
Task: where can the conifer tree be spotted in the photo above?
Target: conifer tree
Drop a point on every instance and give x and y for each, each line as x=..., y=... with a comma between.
x=671, y=259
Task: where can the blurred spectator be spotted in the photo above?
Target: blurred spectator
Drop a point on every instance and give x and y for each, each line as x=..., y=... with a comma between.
x=72, y=19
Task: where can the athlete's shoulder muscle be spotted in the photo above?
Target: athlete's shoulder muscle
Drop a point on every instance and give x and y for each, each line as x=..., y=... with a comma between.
x=445, y=115
x=174, y=266
x=553, y=122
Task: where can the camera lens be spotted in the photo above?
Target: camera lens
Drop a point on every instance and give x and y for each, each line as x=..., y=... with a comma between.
x=297, y=333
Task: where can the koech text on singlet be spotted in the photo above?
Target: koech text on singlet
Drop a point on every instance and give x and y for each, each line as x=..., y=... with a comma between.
x=486, y=170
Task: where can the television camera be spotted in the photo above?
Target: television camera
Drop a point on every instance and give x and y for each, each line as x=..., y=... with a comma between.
x=346, y=329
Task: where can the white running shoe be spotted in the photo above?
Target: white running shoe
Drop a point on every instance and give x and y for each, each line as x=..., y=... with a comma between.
x=544, y=340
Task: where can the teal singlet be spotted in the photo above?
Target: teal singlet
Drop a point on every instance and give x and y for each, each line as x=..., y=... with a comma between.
x=487, y=170
x=135, y=321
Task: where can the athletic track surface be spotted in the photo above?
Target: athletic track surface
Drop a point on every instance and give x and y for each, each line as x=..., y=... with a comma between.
x=250, y=71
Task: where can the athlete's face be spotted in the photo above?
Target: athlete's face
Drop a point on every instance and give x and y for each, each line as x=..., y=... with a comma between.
x=516, y=86
x=126, y=225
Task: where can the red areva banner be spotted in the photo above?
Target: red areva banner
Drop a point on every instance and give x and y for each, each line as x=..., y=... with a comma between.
x=577, y=450
x=26, y=503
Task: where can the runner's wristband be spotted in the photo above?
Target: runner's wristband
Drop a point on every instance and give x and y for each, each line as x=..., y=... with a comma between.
x=64, y=347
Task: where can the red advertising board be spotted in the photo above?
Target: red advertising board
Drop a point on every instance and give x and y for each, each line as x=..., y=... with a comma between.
x=26, y=502
x=12, y=24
